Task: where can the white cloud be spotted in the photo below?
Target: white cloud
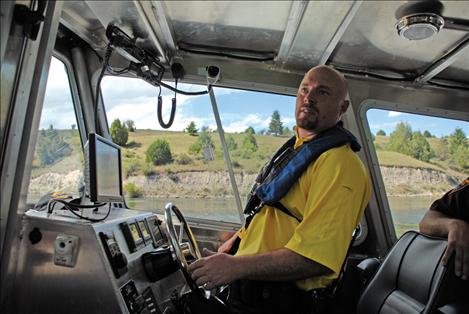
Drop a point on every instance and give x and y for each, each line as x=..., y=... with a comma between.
x=143, y=111
x=394, y=114
x=254, y=120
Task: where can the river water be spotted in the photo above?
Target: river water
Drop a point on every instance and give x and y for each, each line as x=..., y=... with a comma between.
x=406, y=211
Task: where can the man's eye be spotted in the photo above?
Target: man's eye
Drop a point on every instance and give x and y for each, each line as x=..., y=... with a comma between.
x=323, y=92
x=304, y=90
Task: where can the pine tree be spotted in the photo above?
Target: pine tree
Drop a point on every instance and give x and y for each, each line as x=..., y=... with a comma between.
x=275, y=125
x=192, y=128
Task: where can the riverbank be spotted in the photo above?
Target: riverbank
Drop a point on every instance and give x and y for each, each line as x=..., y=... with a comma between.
x=399, y=181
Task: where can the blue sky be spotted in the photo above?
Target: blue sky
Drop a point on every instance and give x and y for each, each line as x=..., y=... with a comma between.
x=134, y=99
x=386, y=120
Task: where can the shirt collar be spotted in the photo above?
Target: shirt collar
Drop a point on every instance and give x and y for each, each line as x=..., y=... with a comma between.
x=300, y=140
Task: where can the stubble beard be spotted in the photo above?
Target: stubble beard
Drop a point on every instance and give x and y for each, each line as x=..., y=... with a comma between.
x=307, y=121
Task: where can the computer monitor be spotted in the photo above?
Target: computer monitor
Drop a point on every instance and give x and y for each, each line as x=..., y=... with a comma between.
x=103, y=178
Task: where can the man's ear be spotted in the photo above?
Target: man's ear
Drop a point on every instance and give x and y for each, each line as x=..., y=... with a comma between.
x=344, y=107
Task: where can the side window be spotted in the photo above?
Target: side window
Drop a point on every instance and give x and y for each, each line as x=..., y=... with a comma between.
x=58, y=156
x=420, y=158
x=185, y=164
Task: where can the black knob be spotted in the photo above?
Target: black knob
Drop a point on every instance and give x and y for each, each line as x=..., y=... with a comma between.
x=120, y=260
x=35, y=236
x=158, y=264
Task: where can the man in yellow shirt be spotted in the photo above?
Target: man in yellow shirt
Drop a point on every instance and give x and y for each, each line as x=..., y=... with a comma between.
x=300, y=241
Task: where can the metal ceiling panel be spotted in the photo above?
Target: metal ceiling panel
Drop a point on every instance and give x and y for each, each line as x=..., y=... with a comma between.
x=373, y=33
x=77, y=16
x=319, y=24
x=256, y=25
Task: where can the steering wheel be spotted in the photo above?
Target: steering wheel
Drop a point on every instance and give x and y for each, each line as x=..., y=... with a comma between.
x=176, y=246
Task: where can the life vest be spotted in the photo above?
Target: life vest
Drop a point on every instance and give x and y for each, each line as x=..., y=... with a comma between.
x=287, y=165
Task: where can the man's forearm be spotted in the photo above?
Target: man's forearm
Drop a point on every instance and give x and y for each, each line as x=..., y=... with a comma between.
x=436, y=223
x=279, y=265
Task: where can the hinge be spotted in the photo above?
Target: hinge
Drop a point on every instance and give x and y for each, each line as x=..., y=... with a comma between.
x=30, y=19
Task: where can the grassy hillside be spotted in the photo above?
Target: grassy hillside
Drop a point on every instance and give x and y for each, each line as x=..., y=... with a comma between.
x=139, y=141
x=134, y=154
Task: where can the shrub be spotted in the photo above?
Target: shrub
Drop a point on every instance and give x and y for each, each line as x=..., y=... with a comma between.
x=461, y=157
x=231, y=143
x=159, y=153
x=249, y=145
x=119, y=132
x=131, y=168
x=51, y=147
x=130, y=124
x=381, y=133
x=132, y=190
x=183, y=159
x=194, y=148
x=250, y=130
x=148, y=170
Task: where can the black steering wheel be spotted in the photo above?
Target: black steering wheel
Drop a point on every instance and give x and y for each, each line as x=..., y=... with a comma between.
x=177, y=246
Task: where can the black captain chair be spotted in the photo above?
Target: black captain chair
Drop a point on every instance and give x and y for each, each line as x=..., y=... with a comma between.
x=412, y=280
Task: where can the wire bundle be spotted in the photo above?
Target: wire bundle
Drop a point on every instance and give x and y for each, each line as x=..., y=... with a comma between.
x=73, y=208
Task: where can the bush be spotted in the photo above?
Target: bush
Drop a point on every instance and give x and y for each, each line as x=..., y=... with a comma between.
x=399, y=140
x=419, y=147
x=381, y=133
x=131, y=168
x=183, y=159
x=231, y=143
x=159, y=153
x=132, y=190
x=249, y=145
x=51, y=147
x=461, y=157
x=148, y=170
x=250, y=130
x=119, y=132
x=130, y=124
x=194, y=148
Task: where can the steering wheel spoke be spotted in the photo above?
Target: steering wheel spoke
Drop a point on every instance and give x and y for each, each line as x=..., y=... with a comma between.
x=177, y=246
x=181, y=232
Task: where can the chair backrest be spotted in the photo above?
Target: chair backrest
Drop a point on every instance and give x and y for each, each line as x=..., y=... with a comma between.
x=409, y=279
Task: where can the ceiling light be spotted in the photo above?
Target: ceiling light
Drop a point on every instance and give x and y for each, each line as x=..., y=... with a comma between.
x=419, y=26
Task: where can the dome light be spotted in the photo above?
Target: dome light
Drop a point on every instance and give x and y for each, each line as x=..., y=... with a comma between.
x=419, y=26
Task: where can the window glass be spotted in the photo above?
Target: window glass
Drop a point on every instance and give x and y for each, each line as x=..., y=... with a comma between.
x=185, y=163
x=58, y=156
x=420, y=158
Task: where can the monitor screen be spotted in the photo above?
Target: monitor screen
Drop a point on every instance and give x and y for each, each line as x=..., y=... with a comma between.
x=103, y=163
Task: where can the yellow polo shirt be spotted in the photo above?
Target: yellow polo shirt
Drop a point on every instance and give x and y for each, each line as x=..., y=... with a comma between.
x=329, y=198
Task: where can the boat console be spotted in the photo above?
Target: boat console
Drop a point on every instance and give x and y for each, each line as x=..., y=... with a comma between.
x=68, y=263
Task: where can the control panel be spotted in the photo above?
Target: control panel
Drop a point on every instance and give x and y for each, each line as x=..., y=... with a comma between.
x=140, y=233
x=116, y=258
x=142, y=303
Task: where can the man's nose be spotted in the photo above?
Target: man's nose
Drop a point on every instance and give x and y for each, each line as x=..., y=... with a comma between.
x=309, y=96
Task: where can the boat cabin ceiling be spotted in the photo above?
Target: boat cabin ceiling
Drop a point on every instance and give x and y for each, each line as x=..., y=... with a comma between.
x=273, y=43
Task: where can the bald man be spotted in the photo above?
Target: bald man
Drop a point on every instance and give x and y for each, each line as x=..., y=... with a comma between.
x=302, y=211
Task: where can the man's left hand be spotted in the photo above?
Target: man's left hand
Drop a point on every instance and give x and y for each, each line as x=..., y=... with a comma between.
x=214, y=270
